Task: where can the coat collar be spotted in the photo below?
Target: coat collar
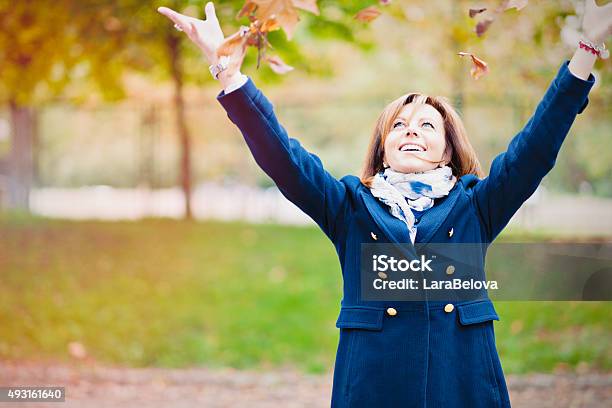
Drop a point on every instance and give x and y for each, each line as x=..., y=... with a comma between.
x=396, y=230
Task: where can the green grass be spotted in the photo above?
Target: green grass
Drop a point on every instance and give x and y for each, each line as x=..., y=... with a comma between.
x=174, y=294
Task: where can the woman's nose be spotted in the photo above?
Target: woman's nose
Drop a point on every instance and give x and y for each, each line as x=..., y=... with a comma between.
x=411, y=131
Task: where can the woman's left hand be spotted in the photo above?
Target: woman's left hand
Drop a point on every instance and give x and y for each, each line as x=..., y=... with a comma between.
x=597, y=22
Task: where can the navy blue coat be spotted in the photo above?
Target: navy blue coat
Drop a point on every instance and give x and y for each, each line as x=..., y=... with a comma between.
x=423, y=355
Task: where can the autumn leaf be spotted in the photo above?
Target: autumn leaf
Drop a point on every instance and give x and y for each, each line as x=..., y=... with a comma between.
x=278, y=65
x=475, y=11
x=248, y=8
x=271, y=24
x=483, y=26
x=267, y=16
x=479, y=67
x=367, y=14
x=283, y=11
x=235, y=42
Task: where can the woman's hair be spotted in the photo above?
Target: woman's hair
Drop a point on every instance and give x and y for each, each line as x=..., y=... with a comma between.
x=463, y=159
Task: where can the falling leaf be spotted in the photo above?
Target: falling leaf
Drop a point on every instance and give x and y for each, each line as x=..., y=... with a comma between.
x=517, y=4
x=474, y=11
x=278, y=65
x=479, y=67
x=483, y=26
x=367, y=14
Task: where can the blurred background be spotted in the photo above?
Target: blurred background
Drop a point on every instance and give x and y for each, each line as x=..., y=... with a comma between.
x=137, y=231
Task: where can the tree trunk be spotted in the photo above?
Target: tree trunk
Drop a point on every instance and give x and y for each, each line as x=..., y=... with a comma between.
x=181, y=121
x=21, y=156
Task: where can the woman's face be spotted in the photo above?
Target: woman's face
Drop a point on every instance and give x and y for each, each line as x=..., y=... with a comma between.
x=416, y=138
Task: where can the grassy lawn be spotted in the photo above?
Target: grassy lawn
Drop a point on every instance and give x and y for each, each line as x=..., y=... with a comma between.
x=174, y=294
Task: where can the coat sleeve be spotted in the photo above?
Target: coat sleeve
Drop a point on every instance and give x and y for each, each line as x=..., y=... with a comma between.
x=516, y=173
x=299, y=174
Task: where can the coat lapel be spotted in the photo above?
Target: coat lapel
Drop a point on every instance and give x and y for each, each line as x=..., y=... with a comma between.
x=434, y=217
x=395, y=228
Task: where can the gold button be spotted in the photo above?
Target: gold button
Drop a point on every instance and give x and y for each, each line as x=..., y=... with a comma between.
x=391, y=311
x=449, y=308
x=374, y=237
x=450, y=232
x=382, y=275
x=450, y=269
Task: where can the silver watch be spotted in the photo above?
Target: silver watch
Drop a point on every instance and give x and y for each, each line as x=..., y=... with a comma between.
x=219, y=67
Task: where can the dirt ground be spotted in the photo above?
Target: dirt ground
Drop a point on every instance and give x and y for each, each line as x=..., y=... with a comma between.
x=91, y=385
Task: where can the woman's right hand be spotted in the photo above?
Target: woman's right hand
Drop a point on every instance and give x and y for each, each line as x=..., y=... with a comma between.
x=206, y=34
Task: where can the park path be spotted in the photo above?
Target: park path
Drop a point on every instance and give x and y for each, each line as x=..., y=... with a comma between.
x=91, y=385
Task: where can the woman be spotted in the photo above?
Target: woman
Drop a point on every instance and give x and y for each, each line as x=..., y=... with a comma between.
x=421, y=184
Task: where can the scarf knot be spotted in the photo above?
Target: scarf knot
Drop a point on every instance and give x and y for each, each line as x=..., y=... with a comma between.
x=404, y=192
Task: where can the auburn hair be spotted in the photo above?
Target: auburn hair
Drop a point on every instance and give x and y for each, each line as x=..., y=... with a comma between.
x=463, y=159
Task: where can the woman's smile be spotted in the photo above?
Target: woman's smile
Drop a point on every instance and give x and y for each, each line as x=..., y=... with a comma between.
x=412, y=147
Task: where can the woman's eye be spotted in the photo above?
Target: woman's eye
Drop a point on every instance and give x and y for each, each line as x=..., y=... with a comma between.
x=428, y=123
x=397, y=123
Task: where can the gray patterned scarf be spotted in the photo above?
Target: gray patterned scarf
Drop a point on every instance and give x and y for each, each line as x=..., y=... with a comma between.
x=403, y=192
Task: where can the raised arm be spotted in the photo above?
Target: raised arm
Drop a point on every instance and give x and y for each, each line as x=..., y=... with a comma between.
x=299, y=175
x=516, y=173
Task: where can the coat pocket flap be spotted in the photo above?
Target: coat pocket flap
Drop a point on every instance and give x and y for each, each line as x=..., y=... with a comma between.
x=477, y=312
x=357, y=317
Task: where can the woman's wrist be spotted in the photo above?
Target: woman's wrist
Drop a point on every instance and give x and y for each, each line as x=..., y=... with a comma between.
x=582, y=63
x=227, y=78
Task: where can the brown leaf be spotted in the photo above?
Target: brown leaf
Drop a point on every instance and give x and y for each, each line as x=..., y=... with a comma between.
x=248, y=8
x=483, y=26
x=475, y=11
x=234, y=42
x=278, y=65
x=517, y=4
x=284, y=11
x=479, y=67
x=367, y=14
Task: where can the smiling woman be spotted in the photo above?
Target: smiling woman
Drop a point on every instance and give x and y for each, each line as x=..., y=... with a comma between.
x=430, y=123
x=428, y=352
